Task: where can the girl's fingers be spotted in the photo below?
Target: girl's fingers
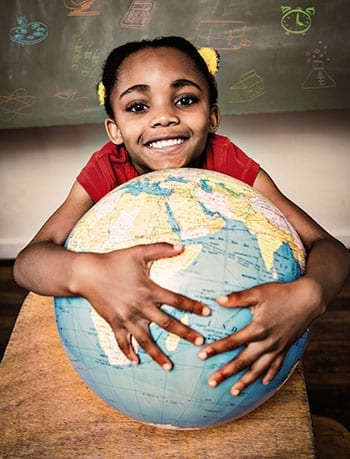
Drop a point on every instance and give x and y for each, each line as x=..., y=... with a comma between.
x=179, y=301
x=177, y=328
x=246, y=298
x=252, y=332
x=141, y=335
x=148, y=345
x=140, y=331
x=123, y=338
x=268, y=365
x=238, y=364
x=273, y=370
x=151, y=252
x=256, y=364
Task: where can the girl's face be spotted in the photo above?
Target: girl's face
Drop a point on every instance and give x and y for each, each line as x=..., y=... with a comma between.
x=161, y=108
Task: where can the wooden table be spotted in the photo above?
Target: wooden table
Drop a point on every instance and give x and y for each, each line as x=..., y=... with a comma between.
x=46, y=411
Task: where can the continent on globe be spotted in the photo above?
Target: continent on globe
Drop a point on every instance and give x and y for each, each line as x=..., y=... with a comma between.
x=234, y=239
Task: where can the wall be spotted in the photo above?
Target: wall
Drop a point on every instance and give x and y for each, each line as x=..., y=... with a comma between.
x=306, y=153
x=273, y=57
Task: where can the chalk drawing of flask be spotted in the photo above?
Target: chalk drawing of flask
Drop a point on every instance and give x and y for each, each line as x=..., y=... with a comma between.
x=318, y=77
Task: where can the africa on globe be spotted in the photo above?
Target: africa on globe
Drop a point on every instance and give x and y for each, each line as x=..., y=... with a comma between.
x=234, y=239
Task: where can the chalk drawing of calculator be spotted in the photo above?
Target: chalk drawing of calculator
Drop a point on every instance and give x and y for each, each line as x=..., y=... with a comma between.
x=138, y=15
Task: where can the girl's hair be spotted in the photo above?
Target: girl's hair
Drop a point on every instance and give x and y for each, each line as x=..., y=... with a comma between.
x=117, y=56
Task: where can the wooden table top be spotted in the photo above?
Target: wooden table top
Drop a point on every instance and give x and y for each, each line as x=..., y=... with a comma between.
x=47, y=411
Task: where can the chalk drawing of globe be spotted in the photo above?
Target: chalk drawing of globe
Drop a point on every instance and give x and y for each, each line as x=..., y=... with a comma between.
x=234, y=239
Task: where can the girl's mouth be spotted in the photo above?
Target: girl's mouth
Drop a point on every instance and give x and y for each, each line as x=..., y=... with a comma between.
x=165, y=143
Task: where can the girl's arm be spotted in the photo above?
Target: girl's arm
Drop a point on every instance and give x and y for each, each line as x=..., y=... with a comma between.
x=44, y=266
x=328, y=260
x=117, y=284
x=281, y=312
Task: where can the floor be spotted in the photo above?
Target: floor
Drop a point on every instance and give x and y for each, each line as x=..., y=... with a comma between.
x=326, y=360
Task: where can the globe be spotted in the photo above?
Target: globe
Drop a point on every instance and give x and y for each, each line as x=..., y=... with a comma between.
x=234, y=239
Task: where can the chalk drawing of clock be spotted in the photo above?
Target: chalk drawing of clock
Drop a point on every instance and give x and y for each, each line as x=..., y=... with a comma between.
x=296, y=20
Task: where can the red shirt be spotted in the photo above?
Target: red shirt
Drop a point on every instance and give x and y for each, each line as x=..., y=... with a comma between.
x=111, y=166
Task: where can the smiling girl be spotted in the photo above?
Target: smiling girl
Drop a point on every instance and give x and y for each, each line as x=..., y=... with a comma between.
x=161, y=105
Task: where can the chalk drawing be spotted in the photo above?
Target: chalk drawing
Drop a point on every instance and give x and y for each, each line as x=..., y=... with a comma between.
x=249, y=87
x=296, y=20
x=318, y=77
x=73, y=106
x=221, y=34
x=86, y=59
x=17, y=103
x=28, y=33
x=138, y=15
x=81, y=8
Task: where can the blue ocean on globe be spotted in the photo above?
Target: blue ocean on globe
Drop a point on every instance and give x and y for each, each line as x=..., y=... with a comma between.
x=234, y=239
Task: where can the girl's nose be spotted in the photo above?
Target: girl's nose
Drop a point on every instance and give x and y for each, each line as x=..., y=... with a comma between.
x=165, y=118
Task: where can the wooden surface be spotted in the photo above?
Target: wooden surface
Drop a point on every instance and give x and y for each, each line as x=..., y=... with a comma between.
x=46, y=411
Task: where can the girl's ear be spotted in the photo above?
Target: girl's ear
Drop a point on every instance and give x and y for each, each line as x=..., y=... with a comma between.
x=214, y=119
x=113, y=131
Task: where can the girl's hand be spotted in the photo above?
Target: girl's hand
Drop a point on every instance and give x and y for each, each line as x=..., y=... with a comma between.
x=281, y=314
x=118, y=286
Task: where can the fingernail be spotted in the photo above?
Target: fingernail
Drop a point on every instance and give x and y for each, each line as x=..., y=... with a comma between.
x=222, y=299
x=167, y=366
x=235, y=392
x=199, y=341
x=178, y=247
x=266, y=382
x=202, y=355
x=206, y=311
x=212, y=383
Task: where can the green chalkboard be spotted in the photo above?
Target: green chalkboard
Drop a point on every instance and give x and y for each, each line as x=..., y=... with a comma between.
x=275, y=55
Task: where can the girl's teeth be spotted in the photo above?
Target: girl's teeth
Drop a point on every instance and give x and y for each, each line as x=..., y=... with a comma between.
x=166, y=143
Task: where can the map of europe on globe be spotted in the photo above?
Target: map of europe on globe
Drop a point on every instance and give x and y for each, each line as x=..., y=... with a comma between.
x=234, y=239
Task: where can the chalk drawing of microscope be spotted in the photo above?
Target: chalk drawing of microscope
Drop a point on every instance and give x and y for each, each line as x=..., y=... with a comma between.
x=221, y=34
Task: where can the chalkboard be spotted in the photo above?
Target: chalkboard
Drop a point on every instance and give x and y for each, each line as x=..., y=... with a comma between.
x=275, y=55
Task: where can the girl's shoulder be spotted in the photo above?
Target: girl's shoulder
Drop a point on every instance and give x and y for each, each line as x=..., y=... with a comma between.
x=224, y=156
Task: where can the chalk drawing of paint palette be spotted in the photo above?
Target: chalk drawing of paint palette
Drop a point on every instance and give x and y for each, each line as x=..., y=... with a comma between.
x=28, y=33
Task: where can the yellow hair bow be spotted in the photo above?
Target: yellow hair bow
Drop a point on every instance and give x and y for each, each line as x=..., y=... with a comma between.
x=211, y=58
x=101, y=93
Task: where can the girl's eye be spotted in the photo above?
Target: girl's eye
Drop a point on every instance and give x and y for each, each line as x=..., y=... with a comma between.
x=136, y=107
x=186, y=100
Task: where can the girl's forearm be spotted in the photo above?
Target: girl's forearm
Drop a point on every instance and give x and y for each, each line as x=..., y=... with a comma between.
x=328, y=266
x=47, y=269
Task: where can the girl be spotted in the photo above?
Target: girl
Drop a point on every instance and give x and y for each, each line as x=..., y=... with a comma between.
x=161, y=102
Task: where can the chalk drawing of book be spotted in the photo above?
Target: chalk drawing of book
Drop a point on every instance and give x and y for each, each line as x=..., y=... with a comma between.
x=249, y=87
x=318, y=78
x=221, y=35
x=138, y=14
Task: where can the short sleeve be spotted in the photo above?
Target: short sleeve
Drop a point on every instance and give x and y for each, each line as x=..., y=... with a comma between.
x=95, y=177
x=106, y=169
x=226, y=157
